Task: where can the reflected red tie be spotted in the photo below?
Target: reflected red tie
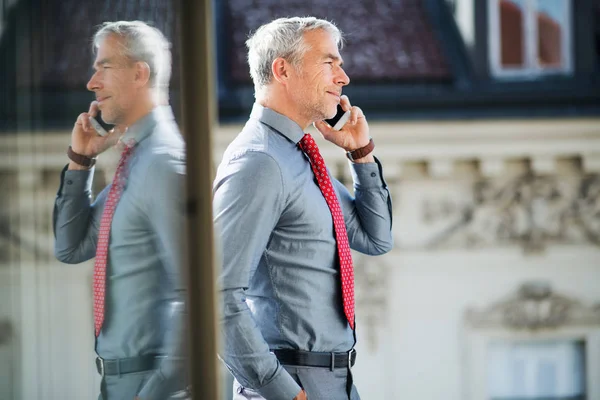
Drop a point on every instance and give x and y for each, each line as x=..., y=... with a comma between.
x=309, y=147
x=104, y=235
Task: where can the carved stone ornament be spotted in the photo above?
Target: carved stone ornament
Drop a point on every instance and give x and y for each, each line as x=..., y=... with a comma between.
x=535, y=306
x=529, y=210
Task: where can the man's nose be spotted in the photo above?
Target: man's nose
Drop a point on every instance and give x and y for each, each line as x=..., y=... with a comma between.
x=343, y=78
x=94, y=83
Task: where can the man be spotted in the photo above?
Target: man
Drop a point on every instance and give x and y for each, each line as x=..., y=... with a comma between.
x=134, y=227
x=287, y=278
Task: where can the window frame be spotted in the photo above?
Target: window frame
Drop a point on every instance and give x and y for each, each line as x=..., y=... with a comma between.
x=531, y=70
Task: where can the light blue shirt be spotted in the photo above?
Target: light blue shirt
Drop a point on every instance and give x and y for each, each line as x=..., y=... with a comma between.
x=144, y=311
x=280, y=282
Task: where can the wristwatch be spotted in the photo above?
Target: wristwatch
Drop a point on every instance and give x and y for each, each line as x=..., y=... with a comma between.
x=80, y=159
x=360, y=153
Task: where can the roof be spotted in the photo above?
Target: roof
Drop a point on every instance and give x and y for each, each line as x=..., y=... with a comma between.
x=393, y=42
x=386, y=40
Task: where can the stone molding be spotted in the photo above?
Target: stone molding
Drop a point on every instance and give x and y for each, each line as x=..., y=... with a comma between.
x=534, y=306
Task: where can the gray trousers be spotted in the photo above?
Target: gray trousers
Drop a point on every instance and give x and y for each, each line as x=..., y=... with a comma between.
x=319, y=384
x=127, y=386
x=123, y=387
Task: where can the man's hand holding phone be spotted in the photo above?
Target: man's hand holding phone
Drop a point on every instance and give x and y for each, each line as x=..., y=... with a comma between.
x=353, y=135
x=85, y=140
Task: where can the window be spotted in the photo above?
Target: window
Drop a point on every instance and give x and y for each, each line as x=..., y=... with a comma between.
x=535, y=344
x=529, y=38
x=553, y=370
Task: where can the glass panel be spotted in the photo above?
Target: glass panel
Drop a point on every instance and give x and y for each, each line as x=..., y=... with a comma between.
x=551, y=22
x=512, y=38
x=46, y=323
x=553, y=370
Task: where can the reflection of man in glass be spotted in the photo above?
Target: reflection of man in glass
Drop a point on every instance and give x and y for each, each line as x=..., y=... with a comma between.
x=134, y=227
x=287, y=226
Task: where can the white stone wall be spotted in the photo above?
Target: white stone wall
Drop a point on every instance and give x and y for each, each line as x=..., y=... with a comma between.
x=420, y=350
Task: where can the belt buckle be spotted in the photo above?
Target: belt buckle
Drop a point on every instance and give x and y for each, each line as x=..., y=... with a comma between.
x=100, y=366
x=332, y=366
x=350, y=352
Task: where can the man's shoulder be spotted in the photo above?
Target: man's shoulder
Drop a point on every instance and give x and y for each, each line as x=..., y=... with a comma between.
x=166, y=139
x=253, y=154
x=257, y=137
x=163, y=149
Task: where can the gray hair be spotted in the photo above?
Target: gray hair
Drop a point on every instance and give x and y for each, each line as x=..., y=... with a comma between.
x=142, y=42
x=283, y=37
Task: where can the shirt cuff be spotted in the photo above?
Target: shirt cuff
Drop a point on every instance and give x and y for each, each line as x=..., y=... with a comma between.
x=368, y=175
x=75, y=182
x=281, y=387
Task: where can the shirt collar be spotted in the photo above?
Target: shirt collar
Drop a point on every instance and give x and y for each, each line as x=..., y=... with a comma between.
x=279, y=122
x=142, y=128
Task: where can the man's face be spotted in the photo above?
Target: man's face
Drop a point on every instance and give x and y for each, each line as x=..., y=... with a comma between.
x=113, y=81
x=316, y=86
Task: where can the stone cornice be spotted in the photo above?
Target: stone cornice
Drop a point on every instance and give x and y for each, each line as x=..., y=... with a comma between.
x=435, y=149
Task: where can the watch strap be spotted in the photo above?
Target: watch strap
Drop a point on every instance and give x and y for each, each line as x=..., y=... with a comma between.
x=362, y=152
x=80, y=159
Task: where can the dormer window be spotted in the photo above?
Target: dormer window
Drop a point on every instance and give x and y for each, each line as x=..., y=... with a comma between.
x=530, y=38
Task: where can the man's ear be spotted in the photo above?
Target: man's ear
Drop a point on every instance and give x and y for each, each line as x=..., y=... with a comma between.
x=142, y=73
x=281, y=70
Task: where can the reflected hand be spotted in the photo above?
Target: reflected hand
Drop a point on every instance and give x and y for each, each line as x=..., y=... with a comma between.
x=301, y=395
x=84, y=138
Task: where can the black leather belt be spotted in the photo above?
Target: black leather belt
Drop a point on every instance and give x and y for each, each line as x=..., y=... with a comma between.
x=316, y=359
x=126, y=365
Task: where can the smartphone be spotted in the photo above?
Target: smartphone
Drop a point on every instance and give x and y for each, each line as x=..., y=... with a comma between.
x=99, y=125
x=340, y=118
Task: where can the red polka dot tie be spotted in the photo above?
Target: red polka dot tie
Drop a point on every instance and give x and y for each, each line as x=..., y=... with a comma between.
x=104, y=235
x=308, y=145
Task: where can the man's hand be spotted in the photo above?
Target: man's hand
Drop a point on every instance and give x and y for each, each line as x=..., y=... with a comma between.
x=301, y=396
x=86, y=141
x=354, y=135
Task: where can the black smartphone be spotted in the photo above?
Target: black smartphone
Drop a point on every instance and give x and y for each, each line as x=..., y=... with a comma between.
x=340, y=118
x=99, y=125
